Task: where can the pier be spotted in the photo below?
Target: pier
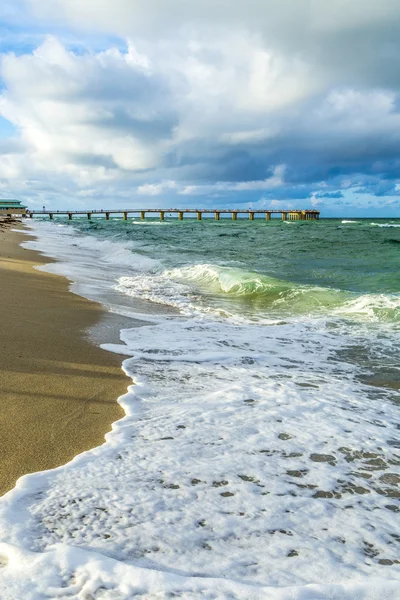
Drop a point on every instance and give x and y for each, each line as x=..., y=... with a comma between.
x=286, y=215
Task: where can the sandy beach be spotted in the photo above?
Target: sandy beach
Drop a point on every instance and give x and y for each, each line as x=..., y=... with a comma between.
x=58, y=391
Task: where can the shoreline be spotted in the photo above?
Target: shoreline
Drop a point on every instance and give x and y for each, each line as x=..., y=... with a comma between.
x=235, y=434
x=58, y=390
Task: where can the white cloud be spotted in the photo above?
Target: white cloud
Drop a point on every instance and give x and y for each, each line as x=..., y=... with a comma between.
x=76, y=112
x=278, y=204
x=103, y=116
x=155, y=189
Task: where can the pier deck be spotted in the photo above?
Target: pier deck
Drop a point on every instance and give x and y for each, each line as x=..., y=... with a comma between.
x=291, y=215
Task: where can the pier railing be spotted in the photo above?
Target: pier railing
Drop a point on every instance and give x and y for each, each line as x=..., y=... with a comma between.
x=287, y=215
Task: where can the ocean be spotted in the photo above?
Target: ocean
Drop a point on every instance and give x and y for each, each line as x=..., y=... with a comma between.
x=259, y=456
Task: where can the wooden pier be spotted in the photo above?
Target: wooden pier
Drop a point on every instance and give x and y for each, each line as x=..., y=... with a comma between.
x=286, y=215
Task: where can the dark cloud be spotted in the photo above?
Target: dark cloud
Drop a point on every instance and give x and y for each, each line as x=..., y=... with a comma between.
x=352, y=42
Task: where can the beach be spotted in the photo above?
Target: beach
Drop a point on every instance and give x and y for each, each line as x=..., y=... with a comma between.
x=58, y=390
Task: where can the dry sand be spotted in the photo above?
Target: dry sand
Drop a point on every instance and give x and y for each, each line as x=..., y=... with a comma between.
x=58, y=392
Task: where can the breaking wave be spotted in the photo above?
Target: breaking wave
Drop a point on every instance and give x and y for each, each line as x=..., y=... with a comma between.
x=229, y=290
x=385, y=224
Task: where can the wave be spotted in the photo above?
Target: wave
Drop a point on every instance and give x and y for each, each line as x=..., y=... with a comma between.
x=227, y=291
x=230, y=292
x=148, y=223
x=385, y=224
x=266, y=291
x=351, y=221
x=373, y=307
x=110, y=252
x=237, y=282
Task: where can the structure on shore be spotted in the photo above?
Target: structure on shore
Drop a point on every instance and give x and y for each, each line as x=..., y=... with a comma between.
x=12, y=207
x=287, y=215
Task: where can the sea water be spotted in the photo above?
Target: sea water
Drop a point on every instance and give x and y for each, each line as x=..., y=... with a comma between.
x=259, y=456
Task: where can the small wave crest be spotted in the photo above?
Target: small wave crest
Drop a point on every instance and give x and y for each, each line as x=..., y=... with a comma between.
x=385, y=224
x=227, y=280
x=150, y=223
x=238, y=283
x=373, y=307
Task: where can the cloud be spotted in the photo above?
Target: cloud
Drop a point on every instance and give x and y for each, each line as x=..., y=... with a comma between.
x=346, y=40
x=378, y=188
x=277, y=204
x=155, y=189
x=294, y=99
x=95, y=113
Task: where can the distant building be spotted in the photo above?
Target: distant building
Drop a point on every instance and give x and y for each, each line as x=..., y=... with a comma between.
x=12, y=207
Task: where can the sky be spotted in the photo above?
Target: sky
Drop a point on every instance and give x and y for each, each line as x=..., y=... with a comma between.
x=201, y=103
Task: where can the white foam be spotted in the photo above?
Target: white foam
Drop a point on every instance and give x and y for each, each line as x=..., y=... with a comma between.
x=65, y=572
x=372, y=307
x=351, y=221
x=91, y=264
x=385, y=224
x=150, y=223
x=251, y=464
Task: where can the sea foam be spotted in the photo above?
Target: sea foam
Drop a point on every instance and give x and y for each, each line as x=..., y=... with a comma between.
x=385, y=224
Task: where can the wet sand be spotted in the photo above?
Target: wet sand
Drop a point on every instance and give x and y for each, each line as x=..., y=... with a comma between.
x=58, y=391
